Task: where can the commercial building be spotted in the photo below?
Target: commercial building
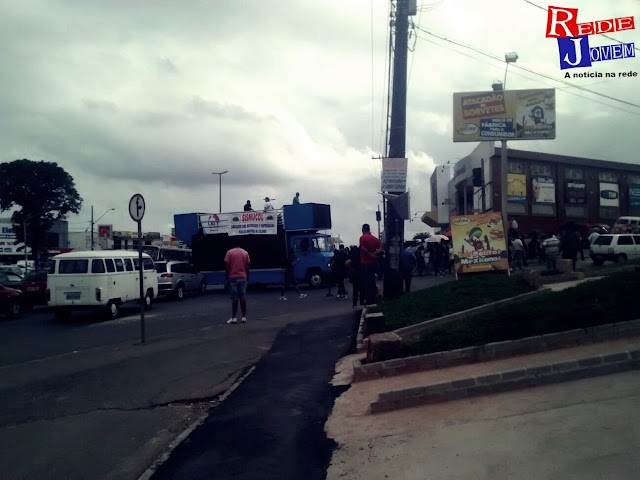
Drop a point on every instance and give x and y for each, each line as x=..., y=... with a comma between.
x=544, y=191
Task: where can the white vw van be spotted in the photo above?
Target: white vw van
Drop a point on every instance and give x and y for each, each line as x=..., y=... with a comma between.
x=99, y=279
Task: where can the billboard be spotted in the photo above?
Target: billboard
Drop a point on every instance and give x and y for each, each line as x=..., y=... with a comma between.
x=479, y=243
x=516, y=187
x=504, y=115
x=543, y=190
x=213, y=223
x=394, y=175
x=575, y=193
x=634, y=195
x=104, y=231
x=609, y=195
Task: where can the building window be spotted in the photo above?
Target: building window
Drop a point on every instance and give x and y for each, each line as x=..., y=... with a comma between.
x=516, y=208
x=515, y=167
x=608, y=177
x=633, y=179
x=573, y=173
x=541, y=169
x=610, y=213
x=543, y=209
x=574, y=211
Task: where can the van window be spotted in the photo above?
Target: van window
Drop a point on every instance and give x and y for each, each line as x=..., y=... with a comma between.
x=622, y=221
x=147, y=264
x=73, y=266
x=625, y=240
x=128, y=266
x=97, y=265
x=119, y=264
x=52, y=266
x=110, y=266
x=637, y=239
x=603, y=240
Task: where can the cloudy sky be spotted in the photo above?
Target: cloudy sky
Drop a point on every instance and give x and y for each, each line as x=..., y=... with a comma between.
x=151, y=96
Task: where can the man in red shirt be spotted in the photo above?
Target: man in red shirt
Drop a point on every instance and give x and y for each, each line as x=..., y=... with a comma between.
x=237, y=270
x=370, y=249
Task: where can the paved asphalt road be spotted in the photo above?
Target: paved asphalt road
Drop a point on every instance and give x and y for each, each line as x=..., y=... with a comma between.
x=82, y=399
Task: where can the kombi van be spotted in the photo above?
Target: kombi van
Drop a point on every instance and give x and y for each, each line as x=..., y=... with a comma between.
x=99, y=279
x=626, y=225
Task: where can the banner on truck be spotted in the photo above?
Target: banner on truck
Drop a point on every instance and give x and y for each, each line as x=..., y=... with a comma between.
x=479, y=243
x=253, y=223
x=213, y=223
x=504, y=115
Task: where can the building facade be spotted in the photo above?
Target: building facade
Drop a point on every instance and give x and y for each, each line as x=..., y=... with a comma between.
x=545, y=191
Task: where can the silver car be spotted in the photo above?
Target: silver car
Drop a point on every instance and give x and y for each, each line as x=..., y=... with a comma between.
x=175, y=278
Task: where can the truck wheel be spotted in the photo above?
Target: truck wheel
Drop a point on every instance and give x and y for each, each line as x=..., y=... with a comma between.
x=113, y=309
x=148, y=300
x=314, y=278
x=179, y=293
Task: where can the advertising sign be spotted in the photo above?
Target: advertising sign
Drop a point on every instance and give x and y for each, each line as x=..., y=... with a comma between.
x=479, y=243
x=504, y=115
x=634, y=195
x=609, y=195
x=214, y=223
x=576, y=193
x=394, y=174
x=104, y=231
x=253, y=223
x=516, y=187
x=543, y=190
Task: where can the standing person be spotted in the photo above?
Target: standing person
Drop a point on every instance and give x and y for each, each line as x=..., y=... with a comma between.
x=518, y=252
x=296, y=199
x=267, y=204
x=247, y=206
x=551, y=248
x=339, y=271
x=570, y=245
x=370, y=249
x=353, y=264
x=595, y=234
x=330, y=275
x=236, y=263
x=451, y=257
x=407, y=263
x=420, y=261
x=289, y=278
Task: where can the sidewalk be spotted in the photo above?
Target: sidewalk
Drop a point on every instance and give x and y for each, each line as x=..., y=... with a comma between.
x=411, y=404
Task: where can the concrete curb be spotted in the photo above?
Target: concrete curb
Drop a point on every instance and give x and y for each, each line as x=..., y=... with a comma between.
x=494, y=351
x=507, y=380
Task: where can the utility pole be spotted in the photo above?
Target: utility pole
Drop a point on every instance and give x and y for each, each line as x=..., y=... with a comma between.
x=394, y=225
x=91, y=227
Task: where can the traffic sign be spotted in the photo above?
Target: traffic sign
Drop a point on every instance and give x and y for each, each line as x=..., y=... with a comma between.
x=136, y=207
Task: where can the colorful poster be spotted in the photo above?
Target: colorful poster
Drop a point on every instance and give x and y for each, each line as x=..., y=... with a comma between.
x=634, y=195
x=576, y=193
x=543, y=190
x=479, y=243
x=213, y=223
x=609, y=195
x=504, y=115
x=516, y=187
x=253, y=223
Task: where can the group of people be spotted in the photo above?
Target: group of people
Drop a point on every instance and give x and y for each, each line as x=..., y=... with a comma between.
x=268, y=205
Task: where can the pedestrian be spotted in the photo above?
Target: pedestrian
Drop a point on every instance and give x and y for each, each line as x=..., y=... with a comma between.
x=408, y=262
x=339, y=271
x=247, y=206
x=420, y=260
x=518, y=252
x=267, y=204
x=370, y=250
x=236, y=263
x=451, y=257
x=551, y=248
x=289, y=279
x=353, y=264
x=296, y=199
x=594, y=234
x=571, y=245
x=330, y=276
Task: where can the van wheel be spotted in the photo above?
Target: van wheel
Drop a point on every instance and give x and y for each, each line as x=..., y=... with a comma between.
x=62, y=315
x=203, y=288
x=14, y=309
x=148, y=300
x=179, y=293
x=113, y=309
x=621, y=258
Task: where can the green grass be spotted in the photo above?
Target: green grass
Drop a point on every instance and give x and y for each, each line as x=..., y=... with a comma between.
x=612, y=299
x=451, y=297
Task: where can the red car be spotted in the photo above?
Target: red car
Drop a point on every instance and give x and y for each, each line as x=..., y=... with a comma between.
x=10, y=302
x=34, y=289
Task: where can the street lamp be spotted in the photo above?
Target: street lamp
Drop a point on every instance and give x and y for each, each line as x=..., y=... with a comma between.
x=508, y=58
x=220, y=185
x=93, y=222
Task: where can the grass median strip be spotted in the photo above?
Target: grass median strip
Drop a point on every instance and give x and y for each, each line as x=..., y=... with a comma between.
x=598, y=302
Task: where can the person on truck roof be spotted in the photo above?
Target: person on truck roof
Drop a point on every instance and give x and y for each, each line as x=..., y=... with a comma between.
x=267, y=204
x=247, y=206
x=296, y=199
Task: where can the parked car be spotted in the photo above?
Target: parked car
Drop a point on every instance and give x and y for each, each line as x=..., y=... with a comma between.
x=175, y=278
x=10, y=301
x=12, y=269
x=34, y=289
x=10, y=279
x=615, y=247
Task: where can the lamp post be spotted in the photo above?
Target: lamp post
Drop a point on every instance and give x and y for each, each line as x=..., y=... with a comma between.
x=220, y=186
x=94, y=222
x=508, y=58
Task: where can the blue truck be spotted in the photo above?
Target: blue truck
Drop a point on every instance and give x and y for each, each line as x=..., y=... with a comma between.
x=298, y=228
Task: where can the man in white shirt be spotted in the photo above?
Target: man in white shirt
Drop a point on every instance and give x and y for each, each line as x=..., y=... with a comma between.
x=595, y=234
x=267, y=204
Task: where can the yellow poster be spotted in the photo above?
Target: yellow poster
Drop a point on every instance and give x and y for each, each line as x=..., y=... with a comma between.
x=479, y=243
x=516, y=187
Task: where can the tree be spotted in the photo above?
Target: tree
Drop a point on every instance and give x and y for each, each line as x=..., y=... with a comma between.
x=44, y=191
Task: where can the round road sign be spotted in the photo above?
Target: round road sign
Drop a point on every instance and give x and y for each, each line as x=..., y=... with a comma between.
x=136, y=207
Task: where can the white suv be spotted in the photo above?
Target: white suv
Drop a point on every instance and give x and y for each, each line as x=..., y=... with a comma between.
x=176, y=277
x=615, y=247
